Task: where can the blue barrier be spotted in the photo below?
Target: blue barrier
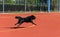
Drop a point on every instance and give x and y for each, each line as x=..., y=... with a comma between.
x=48, y=5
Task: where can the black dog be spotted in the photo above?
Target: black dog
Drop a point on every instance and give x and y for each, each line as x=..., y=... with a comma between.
x=26, y=19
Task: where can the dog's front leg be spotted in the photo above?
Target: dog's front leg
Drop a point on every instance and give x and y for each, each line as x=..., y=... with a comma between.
x=33, y=23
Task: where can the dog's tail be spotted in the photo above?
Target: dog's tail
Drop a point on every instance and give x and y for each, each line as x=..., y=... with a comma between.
x=18, y=17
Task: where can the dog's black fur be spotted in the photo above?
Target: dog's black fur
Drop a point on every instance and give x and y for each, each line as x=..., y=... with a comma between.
x=26, y=19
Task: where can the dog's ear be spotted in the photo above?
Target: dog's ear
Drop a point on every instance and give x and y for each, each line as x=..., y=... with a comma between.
x=33, y=17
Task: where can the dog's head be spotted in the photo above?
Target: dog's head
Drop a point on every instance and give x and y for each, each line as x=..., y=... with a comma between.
x=32, y=17
x=17, y=17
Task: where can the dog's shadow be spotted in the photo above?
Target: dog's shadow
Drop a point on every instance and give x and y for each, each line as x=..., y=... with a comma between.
x=13, y=27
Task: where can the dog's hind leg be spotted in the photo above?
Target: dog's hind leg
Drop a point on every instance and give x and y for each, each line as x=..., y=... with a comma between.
x=16, y=23
x=19, y=24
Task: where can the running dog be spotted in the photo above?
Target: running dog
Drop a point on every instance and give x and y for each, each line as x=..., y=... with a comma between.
x=26, y=19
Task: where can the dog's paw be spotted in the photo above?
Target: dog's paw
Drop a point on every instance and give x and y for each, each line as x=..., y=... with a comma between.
x=15, y=24
x=34, y=24
x=31, y=26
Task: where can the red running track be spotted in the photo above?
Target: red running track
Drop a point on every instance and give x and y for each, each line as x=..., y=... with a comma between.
x=48, y=25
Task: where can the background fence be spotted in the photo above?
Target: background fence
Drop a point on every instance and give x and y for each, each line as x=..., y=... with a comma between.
x=29, y=5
